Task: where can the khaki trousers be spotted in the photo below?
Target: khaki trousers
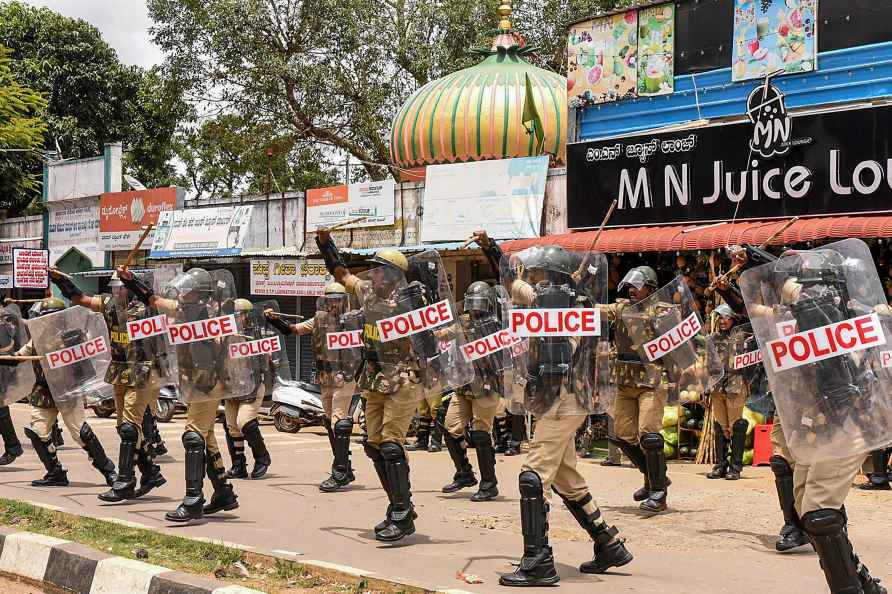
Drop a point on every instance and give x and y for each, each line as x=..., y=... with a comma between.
x=464, y=408
x=428, y=407
x=200, y=417
x=131, y=403
x=552, y=455
x=43, y=419
x=637, y=411
x=822, y=485
x=336, y=401
x=388, y=416
x=727, y=408
x=240, y=412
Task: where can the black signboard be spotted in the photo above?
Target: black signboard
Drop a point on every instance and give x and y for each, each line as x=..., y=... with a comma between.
x=835, y=162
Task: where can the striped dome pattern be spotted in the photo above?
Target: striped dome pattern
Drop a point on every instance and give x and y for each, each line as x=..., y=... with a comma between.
x=475, y=114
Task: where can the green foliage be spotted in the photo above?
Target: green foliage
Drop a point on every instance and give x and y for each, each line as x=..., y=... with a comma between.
x=92, y=98
x=331, y=74
x=21, y=136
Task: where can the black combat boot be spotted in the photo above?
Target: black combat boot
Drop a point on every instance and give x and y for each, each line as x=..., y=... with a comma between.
x=55, y=476
x=464, y=474
x=486, y=459
x=236, y=447
x=536, y=567
x=254, y=437
x=720, y=470
x=125, y=485
x=10, y=440
x=518, y=430
x=97, y=455
x=151, y=436
x=652, y=445
x=500, y=434
x=192, y=507
x=224, y=497
x=402, y=513
x=610, y=550
x=878, y=480
x=422, y=436
x=150, y=473
x=843, y=570
x=341, y=469
x=634, y=453
x=436, y=442
x=792, y=535
x=738, y=443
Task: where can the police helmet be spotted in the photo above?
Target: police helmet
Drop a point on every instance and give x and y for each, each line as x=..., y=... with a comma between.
x=724, y=310
x=203, y=283
x=638, y=277
x=478, y=297
x=335, y=289
x=391, y=257
x=243, y=305
x=49, y=305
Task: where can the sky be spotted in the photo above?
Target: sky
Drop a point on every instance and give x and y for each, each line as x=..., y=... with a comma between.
x=124, y=25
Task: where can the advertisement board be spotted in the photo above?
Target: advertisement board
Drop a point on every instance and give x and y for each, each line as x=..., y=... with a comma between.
x=373, y=200
x=29, y=268
x=201, y=232
x=826, y=163
x=774, y=35
x=74, y=224
x=289, y=278
x=122, y=215
x=504, y=196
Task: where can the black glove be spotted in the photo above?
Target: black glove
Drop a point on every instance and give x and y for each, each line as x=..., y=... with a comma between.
x=67, y=286
x=142, y=291
x=757, y=256
x=495, y=256
x=330, y=254
x=734, y=299
x=280, y=325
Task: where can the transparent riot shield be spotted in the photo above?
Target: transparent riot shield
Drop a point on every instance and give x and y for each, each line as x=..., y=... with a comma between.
x=149, y=356
x=560, y=354
x=821, y=319
x=733, y=359
x=428, y=294
x=75, y=350
x=666, y=330
x=337, y=343
x=487, y=348
x=202, y=332
x=275, y=365
x=15, y=380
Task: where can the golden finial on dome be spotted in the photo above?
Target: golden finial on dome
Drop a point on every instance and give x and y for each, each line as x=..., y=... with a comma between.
x=504, y=13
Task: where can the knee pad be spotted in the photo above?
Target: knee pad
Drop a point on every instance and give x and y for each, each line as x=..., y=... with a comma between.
x=652, y=441
x=251, y=426
x=343, y=427
x=530, y=484
x=192, y=440
x=780, y=467
x=127, y=432
x=371, y=451
x=740, y=426
x=481, y=439
x=392, y=452
x=824, y=522
x=86, y=433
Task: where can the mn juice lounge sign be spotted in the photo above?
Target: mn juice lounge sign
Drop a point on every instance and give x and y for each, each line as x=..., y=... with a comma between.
x=836, y=162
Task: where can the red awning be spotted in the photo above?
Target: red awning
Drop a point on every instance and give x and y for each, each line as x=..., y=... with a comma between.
x=707, y=237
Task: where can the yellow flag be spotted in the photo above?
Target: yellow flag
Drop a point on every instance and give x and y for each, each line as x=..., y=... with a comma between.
x=531, y=114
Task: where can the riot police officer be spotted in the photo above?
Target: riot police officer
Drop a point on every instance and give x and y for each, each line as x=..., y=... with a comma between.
x=45, y=411
x=11, y=336
x=729, y=396
x=335, y=369
x=476, y=403
x=135, y=372
x=390, y=380
x=241, y=413
x=205, y=377
x=551, y=462
x=640, y=396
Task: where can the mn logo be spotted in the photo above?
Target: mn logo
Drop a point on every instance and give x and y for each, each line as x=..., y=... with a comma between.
x=772, y=124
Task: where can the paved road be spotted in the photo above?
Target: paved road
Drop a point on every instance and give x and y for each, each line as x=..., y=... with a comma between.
x=717, y=538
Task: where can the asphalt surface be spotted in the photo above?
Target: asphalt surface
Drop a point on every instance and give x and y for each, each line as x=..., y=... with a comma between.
x=718, y=536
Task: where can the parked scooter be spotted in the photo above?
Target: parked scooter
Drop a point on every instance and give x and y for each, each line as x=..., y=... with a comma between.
x=295, y=405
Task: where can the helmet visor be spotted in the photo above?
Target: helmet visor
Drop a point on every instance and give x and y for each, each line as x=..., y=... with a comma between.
x=633, y=278
x=476, y=303
x=182, y=285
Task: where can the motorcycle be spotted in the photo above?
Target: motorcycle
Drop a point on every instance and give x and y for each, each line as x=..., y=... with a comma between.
x=295, y=405
x=101, y=399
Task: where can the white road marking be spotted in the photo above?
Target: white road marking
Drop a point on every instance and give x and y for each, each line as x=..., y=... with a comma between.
x=289, y=553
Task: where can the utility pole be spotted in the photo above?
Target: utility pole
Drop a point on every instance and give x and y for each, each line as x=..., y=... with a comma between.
x=269, y=184
x=347, y=171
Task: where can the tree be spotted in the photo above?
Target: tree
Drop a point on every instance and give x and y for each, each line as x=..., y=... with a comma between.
x=92, y=98
x=331, y=74
x=21, y=136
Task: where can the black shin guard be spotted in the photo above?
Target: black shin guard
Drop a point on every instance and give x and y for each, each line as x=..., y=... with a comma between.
x=536, y=567
x=7, y=430
x=254, y=437
x=486, y=459
x=720, y=470
x=97, y=454
x=342, y=470
x=396, y=467
x=827, y=528
x=610, y=551
x=194, y=445
x=792, y=534
x=652, y=445
x=738, y=443
x=126, y=457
